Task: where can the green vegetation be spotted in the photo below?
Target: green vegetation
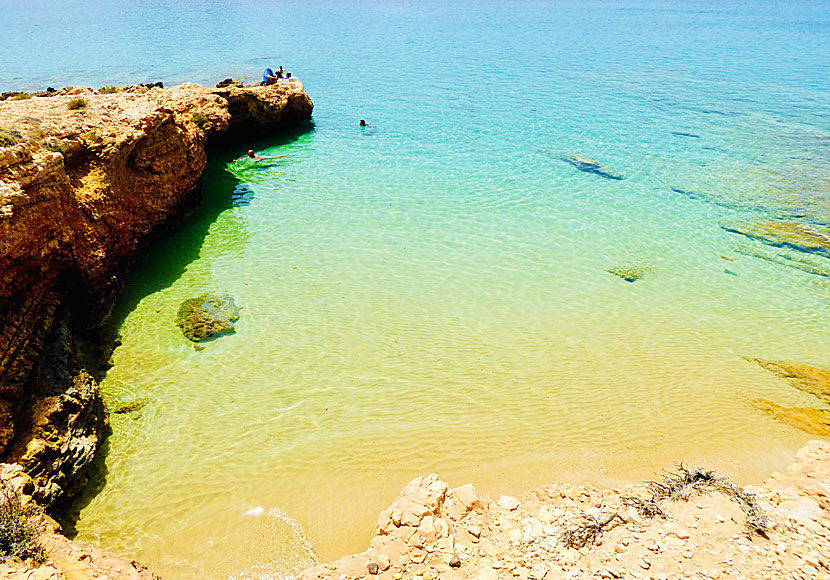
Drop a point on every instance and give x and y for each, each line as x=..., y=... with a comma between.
x=108, y=90
x=77, y=103
x=200, y=119
x=9, y=137
x=54, y=147
x=18, y=538
x=21, y=97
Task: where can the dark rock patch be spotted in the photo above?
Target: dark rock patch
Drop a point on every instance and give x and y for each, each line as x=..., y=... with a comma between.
x=629, y=273
x=799, y=236
x=682, y=134
x=207, y=316
x=588, y=165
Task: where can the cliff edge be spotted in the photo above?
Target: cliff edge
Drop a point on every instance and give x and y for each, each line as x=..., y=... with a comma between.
x=84, y=178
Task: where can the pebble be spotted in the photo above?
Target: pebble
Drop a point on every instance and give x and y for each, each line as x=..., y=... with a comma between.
x=373, y=568
x=455, y=561
x=644, y=563
x=384, y=562
x=474, y=530
x=508, y=502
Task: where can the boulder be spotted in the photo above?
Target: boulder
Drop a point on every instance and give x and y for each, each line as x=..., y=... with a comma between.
x=207, y=316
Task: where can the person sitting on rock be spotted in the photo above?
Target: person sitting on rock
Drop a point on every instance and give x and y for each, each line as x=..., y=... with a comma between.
x=269, y=77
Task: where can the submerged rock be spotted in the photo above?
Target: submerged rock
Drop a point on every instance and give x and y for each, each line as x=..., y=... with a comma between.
x=207, y=316
x=809, y=419
x=817, y=266
x=630, y=273
x=588, y=165
x=130, y=407
x=797, y=235
x=803, y=377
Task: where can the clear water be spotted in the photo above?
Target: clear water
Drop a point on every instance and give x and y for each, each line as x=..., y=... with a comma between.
x=431, y=293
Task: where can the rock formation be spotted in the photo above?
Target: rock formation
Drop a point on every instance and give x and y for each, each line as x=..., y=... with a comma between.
x=207, y=316
x=84, y=178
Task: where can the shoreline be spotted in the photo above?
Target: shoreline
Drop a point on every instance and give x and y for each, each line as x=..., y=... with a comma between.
x=563, y=531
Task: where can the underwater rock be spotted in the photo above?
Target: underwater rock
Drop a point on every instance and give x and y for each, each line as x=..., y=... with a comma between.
x=815, y=421
x=130, y=407
x=682, y=134
x=799, y=261
x=207, y=316
x=792, y=234
x=588, y=165
x=803, y=377
x=630, y=273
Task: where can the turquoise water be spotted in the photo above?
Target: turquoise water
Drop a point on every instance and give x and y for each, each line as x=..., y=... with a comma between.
x=432, y=293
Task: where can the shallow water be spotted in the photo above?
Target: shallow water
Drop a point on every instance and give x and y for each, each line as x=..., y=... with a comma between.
x=432, y=293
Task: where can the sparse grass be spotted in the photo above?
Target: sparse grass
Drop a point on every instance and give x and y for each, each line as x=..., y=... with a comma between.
x=683, y=483
x=200, y=119
x=18, y=538
x=77, y=104
x=21, y=97
x=108, y=90
x=9, y=137
x=590, y=529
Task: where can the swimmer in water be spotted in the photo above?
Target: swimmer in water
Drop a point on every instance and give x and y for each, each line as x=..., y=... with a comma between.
x=258, y=157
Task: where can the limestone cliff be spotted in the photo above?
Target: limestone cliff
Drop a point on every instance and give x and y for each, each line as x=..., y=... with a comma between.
x=84, y=178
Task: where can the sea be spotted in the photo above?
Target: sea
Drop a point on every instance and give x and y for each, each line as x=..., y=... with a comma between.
x=445, y=289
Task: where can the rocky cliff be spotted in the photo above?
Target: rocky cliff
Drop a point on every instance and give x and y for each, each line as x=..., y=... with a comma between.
x=84, y=178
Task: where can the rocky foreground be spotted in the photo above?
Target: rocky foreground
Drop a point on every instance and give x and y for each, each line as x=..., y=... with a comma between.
x=704, y=528
x=85, y=177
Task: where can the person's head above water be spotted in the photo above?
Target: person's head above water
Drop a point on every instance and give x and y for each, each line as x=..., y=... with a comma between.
x=362, y=123
x=251, y=153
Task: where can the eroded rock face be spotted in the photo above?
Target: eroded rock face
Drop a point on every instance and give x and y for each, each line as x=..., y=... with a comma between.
x=63, y=422
x=207, y=316
x=79, y=190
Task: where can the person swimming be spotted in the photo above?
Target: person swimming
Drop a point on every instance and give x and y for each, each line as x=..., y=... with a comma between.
x=257, y=157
